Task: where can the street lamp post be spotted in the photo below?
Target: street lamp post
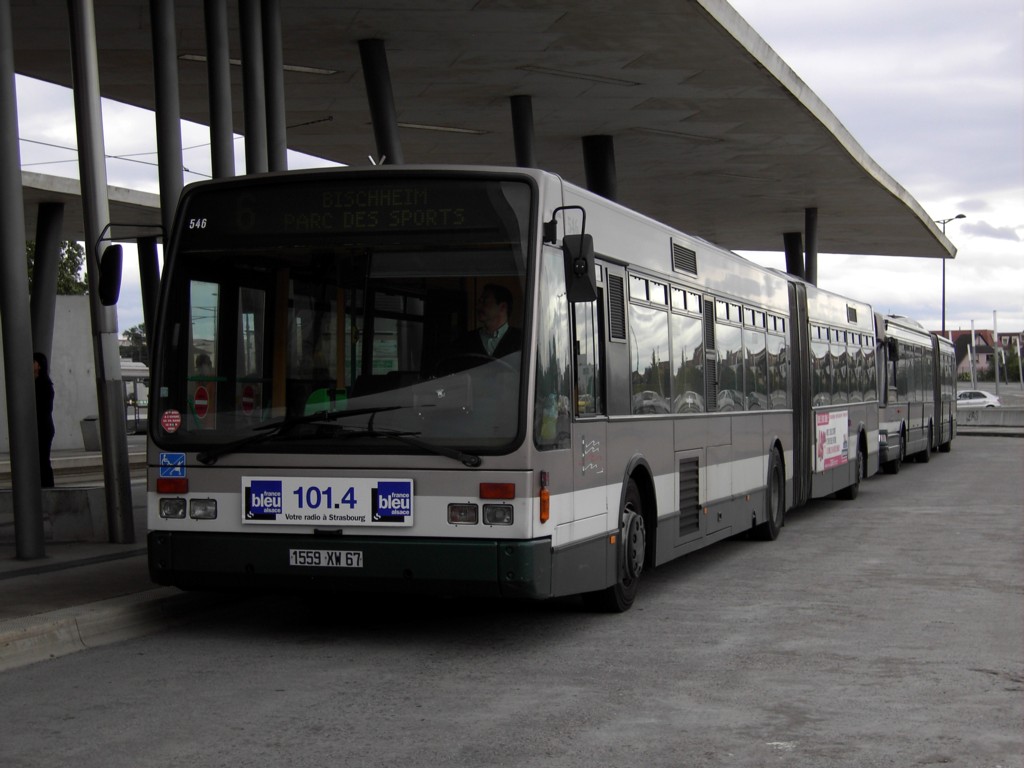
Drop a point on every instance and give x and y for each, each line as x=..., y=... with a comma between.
x=943, y=223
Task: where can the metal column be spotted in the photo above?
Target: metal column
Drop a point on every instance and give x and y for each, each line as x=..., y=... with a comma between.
x=382, y=101
x=49, y=224
x=811, y=238
x=14, y=311
x=599, y=164
x=273, y=72
x=149, y=279
x=218, y=71
x=93, y=173
x=168, y=107
x=794, y=244
x=253, y=88
x=522, y=131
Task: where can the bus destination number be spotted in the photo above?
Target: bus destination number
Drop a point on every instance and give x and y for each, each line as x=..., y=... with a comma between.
x=325, y=558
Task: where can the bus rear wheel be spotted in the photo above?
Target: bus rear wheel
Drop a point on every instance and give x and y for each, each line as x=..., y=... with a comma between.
x=851, y=492
x=631, y=553
x=775, y=500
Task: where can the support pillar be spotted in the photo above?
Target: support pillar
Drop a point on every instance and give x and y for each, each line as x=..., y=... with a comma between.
x=522, y=131
x=599, y=164
x=168, y=108
x=811, y=238
x=794, y=244
x=29, y=542
x=218, y=72
x=149, y=279
x=93, y=174
x=273, y=70
x=382, y=101
x=253, y=88
x=49, y=225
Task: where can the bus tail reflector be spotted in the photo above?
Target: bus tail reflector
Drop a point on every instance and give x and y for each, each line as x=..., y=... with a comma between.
x=172, y=485
x=545, y=498
x=497, y=490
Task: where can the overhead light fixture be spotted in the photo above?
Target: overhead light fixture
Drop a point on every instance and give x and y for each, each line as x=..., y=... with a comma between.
x=578, y=75
x=286, y=67
x=442, y=128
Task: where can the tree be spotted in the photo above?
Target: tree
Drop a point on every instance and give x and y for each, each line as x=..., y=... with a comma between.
x=136, y=347
x=69, y=268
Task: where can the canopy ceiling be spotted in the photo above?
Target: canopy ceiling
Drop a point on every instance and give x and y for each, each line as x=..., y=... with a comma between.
x=713, y=133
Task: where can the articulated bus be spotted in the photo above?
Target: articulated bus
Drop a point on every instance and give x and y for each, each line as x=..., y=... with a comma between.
x=326, y=412
x=916, y=392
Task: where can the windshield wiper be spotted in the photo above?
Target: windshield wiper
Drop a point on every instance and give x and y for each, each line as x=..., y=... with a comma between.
x=277, y=428
x=411, y=439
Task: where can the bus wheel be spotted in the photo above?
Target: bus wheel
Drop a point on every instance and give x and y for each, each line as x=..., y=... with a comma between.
x=631, y=554
x=851, y=492
x=947, y=446
x=925, y=456
x=774, y=501
x=893, y=467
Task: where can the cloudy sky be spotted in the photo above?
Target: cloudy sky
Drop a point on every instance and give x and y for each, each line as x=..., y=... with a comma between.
x=932, y=89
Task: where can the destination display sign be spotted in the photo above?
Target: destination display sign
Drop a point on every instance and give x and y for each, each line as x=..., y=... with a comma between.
x=310, y=206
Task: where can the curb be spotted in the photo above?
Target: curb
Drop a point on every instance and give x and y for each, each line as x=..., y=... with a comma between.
x=68, y=630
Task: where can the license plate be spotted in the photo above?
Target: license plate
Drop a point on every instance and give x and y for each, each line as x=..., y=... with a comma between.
x=325, y=558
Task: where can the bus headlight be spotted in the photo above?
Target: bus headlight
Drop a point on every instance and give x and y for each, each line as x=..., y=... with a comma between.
x=497, y=514
x=463, y=514
x=172, y=509
x=203, y=509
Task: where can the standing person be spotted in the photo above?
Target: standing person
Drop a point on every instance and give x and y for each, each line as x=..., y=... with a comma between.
x=44, y=416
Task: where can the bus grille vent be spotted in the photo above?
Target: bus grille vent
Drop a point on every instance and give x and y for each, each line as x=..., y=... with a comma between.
x=689, y=496
x=684, y=259
x=616, y=308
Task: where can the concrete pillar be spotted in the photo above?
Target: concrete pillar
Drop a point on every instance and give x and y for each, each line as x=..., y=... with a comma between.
x=382, y=101
x=599, y=164
x=794, y=244
x=49, y=225
x=811, y=238
x=218, y=71
x=168, y=108
x=14, y=316
x=93, y=174
x=273, y=72
x=253, y=88
x=149, y=278
x=522, y=131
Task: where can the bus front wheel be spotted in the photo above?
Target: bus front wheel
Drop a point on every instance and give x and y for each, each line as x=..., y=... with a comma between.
x=631, y=553
x=775, y=500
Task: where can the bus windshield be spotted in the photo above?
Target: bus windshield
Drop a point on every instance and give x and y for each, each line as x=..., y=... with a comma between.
x=394, y=308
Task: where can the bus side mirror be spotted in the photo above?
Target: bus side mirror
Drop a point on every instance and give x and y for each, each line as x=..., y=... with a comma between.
x=580, y=281
x=110, y=275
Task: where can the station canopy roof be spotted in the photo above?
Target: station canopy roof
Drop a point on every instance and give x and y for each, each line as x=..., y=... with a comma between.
x=713, y=133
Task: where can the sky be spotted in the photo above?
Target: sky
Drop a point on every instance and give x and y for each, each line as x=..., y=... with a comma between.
x=933, y=90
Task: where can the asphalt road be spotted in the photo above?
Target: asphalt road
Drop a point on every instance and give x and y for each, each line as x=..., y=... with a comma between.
x=888, y=631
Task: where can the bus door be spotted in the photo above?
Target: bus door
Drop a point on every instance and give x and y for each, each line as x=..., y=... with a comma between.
x=589, y=431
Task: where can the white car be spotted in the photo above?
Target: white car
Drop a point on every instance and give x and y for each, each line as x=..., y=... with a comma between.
x=975, y=398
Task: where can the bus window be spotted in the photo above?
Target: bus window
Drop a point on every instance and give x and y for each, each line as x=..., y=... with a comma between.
x=687, y=364
x=778, y=372
x=204, y=309
x=840, y=372
x=870, y=371
x=649, y=360
x=730, y=367
x=589, y=400
x=756, y=373
x=821, y=373
x=251, y=386
x=903, y=374
x=551, y=404
x=855, y=354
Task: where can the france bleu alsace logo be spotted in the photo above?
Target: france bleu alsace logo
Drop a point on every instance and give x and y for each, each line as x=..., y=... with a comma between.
x=264, y=500
x=392, y=502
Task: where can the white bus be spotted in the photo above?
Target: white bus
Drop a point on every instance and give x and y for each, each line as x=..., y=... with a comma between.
x=917, y=392
x=327, y=411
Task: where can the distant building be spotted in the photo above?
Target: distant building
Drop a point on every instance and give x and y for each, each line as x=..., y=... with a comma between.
x=984, y=348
